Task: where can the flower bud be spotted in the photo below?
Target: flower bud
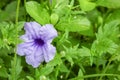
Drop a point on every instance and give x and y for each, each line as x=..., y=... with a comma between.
x=63, y=53
x=43, y=78
x=100, y=20
x=54, y=18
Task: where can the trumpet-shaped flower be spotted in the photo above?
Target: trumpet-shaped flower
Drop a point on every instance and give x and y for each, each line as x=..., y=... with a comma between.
x=37, y=45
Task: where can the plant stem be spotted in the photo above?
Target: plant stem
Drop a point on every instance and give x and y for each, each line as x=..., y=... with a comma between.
x=17, y=13
x=25, y=11
x=110, y=60
x=95, y=75
x=105, y=69
x=14, y=76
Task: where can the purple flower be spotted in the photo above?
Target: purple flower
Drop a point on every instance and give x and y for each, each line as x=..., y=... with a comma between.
x=37, y=43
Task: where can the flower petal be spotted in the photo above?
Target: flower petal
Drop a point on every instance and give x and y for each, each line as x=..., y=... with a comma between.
x=32, y=29
x=31, y=61
x=26, y=37
x=25, y=48
x=36, y=57
x=48, y=32
x=49, y=52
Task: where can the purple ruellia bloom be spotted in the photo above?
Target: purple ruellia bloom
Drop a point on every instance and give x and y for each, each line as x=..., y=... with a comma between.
x=37, y=45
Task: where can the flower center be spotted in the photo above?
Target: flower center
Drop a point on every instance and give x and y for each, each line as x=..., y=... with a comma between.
x=39, y=42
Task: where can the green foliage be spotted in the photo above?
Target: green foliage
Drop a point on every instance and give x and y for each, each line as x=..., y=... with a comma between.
x=61, y=7
x=86, y=5
x=3, y=72
x=36, y=11
x=74, y=24
x=15, y=70
x=114, y=15
x=107, y=38
x=10, y=12
x=8, y=33
x=109, y=3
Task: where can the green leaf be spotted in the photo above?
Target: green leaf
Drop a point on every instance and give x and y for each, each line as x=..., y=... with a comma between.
x=74, y=24
x=8, y=31
x=37, y=12
x=109, y=30
x=30, y=78
x=80, y=73
x=56, y=61
x=3, y=72
x=9, y=14
x=107, y=37
x=46, y=70
x=63, y=68
x=109, y=3
x=71, y=53
x=1, y=62
x=3, y=15
x=11, y=7
x=104, y=46
x=115, y=15
x=88, y=32
x=86, y=5
x=84, y=52
x=93, y=15
x=16, y=69
x=61, y=8
x=69, y=58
